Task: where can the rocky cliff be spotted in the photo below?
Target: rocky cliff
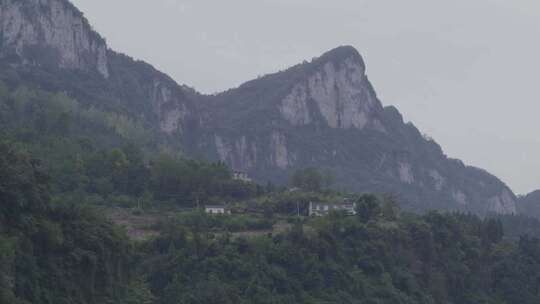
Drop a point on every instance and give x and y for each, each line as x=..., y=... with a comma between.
x=167, y=106
x=338, y=92
x=51, y=32
x=323, y=113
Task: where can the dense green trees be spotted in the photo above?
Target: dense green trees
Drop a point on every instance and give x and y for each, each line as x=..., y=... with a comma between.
x=125, y=172
x=53, y=253
x=368, y=207
x=309, y=179
x=517, y=225
x=312, y=179
x=192, y=183
x=434, y=258
x=103, y=157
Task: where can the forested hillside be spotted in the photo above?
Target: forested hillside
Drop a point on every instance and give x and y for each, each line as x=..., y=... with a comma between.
x=54, y=252
x=369, y=258
x=93, y=155
x=57, y=163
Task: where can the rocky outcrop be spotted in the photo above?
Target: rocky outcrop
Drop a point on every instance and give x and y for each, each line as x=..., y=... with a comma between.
x=338, y=91
x=170, y=106
x=241, y=155
x=405, y=173
x=438, y=180
x=504, y=203
x=280, y=156
x=50, y=32
x=461, y=198
x=294, y=107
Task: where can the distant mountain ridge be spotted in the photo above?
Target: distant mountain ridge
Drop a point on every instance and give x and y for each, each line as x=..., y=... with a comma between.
x=529, y=204
x=324, y=114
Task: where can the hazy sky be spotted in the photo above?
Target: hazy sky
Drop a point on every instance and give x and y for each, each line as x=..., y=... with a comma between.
x=466, y=72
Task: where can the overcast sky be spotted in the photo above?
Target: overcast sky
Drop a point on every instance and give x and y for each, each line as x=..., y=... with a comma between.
x=464, y=71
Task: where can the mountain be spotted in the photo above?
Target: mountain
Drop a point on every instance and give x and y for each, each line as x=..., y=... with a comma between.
x=324, y=113
x=529, y=204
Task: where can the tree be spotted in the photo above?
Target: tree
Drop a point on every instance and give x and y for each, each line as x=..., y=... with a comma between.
x=368, y=207
x=389, y=209
x=329, y=180
x=492, y=231
x=23, y=185
x=309, y=179
x=62, y=125
x=138, y=292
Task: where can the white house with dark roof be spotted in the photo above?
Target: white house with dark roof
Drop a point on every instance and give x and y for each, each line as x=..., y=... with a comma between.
x=322, y=209
x=216, y=209
x=242, y=176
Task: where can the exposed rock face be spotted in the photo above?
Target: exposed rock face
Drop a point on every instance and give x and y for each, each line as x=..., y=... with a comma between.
x=295, y=108
x=240, y=155
x=280, y=154
x=50, y=32
x=167, y=105
x=405, y=173
x=170, y=107
x=504, y=203
x=460, y=197
x=339, y=92
x=437, y=179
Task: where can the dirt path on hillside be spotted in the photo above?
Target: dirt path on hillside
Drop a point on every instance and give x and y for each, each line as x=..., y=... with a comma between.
x=138, y=226
x=143, y=226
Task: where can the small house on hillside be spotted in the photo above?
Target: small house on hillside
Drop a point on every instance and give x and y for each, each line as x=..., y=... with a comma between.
x=217, y=209
x=242, y=176
x=322, y=209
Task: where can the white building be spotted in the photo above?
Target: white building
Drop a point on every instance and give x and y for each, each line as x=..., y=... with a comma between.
x=216, y=209
x=321, y=209
x=243, y=176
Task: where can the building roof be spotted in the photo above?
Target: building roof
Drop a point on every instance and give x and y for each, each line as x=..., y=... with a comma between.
x=215, y=206
x=333, y=204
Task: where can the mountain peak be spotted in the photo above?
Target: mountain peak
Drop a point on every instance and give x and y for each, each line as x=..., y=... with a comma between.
x=341, y=54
